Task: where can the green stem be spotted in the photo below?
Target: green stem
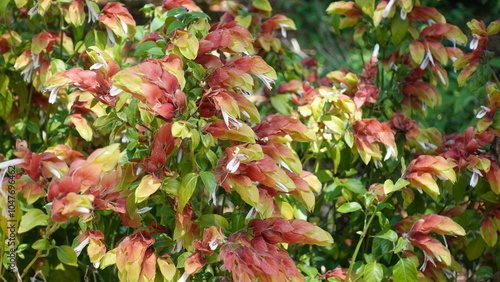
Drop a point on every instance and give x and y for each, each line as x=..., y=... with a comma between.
x=38, y=255
x=358, y=246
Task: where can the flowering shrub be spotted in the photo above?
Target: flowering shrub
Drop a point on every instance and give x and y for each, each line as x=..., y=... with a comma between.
x=190, y=149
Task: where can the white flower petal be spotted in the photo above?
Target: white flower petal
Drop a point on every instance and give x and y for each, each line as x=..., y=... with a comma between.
x=78, y=249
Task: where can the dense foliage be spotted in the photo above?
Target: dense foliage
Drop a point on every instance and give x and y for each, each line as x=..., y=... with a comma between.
x=188, y=149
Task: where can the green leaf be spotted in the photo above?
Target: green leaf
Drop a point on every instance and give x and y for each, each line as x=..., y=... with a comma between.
x=349, y=207
x=400, y=245
x=144, y=47
x=280, y=103
x=484, y=271
x=389, y=234
x=41, y=244
x=475, y=248
x=188, y=185
x=335, y=124
x=373, y=272
x=67, y=255
x=146, y=188
x=405, y=270
x=208, y=179
x=32, y=218
x=3, y=8
x=367, y=6
x=349, y=139
x=354, y=185
x=208, y=220
x=399, y=28
x=5, y=96
x=390, y=187
x=262, y=5
x=174, y=25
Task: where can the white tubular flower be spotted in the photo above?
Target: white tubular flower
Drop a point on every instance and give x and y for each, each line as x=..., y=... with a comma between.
x=283, y=30
x=82, y=210
x=144, y=210
x=474, y=42
x=124, y=26
x=282, y=187
x=245, y=92
x=390, y=153
x=234, y=164
x=268, y=82
x=284, y=165
x=388, y=8
x=213, y=197
x=403, y=14
x=376, y=50
x=33, y=10
x=475, y=177
x=78, y=249
x=229, y=120
x=484, y=110
x=251, y=213
x=53, y=93
x=111, y=38
x=92, y=13
x=184, y=277
x=114, y=91
x=441, y=78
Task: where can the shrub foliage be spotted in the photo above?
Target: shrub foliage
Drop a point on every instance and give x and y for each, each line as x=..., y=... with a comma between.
x=188, y=149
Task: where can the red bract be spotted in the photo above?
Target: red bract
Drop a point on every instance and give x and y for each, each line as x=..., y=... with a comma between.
x=187, y=4
x=248, y=260
x=423, y=13
x=434, y=251
x=163, y=144
x=42, y=43
x=96, y=81
x=220, y=130
x=117, y=19
x=471, y=61
x=229, y=105
x=279, y=230
x=134, y=260
x=46, y=164
x=96, y=248
x=212, y=238
x=229, y=37
x=71, y=204
x=266, y=172
x=276, y=126
x=348, y=9
x=185, y=230
x=340, y=273
x=157, y=83
x=422, y=172
x=369, y=132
